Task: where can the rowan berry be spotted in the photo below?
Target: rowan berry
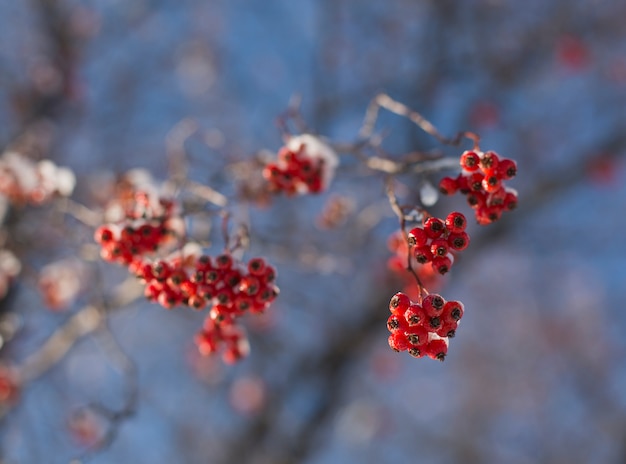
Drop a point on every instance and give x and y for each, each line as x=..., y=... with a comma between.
x=491, y=183
x=423, y=254
x=433, y=304
x=417, y=335
x=447, y=329
x=399, y=303
x=439, y=247
x=470, y=161
x=434, y=227
x=224, y=261
x=417, y=237
x=256, y=266
x=103, y=234
x=415, y=315
x=395, y=323
x=448, y=186
x=442, y=264
x=456, y=222
x=436, y=349
x=453, y=311
x=507, y=169
x=475, y=181
x=458, y=241
x=398, y=341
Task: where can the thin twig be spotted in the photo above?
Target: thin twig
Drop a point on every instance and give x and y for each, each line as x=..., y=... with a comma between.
x=385, y=101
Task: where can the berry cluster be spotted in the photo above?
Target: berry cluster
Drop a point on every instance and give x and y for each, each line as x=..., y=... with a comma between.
x=434, y=242
x=219, y=283
x=482, y=181
x=294, y=173
x=304, y=165
x=145, y=224
x=423, y=330
x=24, y=181
x=222, y=284
x=148, y=222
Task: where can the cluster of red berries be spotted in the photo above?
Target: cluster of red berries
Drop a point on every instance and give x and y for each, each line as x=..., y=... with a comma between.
x=148, y=223
x=423, y=330
x=187, y=277
x=294, y=172
x=434, y=242
x=220, y=284
x=482, y=181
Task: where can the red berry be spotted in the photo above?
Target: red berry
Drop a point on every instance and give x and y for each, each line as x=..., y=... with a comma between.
x=433, y=304
x=396, y=323
x=469, y=161
x=447, y=329
x=458, y=242
x=476, y=199
x=417, y=335
x=452, y=311
x=434, y=227
x=417, y=237
x=423, y=254
x=489, y=162
x=398, y=341
x=203, y=263
x=448, y=186
x=475, y=181
x=103, y=234
x=161, y=270
x=224, y=261
x=196, y=302
x=436, y=349
x=415, y=315
x=507, y=169
x=510, y=201
x=256, y=266
x=462, y=185
x=399, y=303
x=491, y=183
x=250, y=285
x=442, y=264
x=456, y=222
x=439, y=247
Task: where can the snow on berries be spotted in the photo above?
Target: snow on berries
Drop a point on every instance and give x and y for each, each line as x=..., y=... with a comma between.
x=147, y=223
x=423, y=329
x=25, y=181
x=482, y=181
x=435, y=241
x=305, y=164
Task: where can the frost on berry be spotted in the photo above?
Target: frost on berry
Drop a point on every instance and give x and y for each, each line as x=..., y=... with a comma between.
x=423, y=329
x=24, y=181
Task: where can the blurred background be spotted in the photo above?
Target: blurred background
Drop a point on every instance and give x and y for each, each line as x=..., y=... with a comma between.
x=536, y=373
